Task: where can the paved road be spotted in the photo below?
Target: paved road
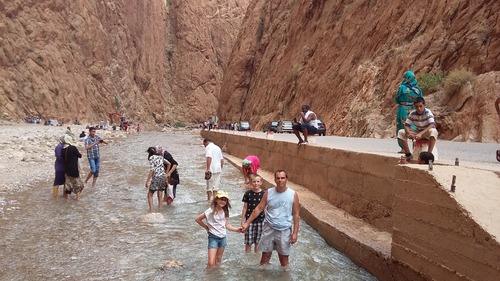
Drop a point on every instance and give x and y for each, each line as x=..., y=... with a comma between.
x=478, y=155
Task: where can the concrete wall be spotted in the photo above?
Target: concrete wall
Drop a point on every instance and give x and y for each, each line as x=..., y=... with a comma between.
x=433, y=238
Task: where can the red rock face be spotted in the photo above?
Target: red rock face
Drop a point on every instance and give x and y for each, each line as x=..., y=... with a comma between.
x=347, y=59
x=157, y=61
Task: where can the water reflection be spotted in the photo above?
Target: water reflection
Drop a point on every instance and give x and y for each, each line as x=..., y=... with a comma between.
x=99, y=238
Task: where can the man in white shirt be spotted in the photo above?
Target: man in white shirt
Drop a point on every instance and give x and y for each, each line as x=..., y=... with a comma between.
x=215, y=162
x=307, y=125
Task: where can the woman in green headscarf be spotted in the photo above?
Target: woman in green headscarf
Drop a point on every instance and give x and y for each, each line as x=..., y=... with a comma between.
x=408, y=91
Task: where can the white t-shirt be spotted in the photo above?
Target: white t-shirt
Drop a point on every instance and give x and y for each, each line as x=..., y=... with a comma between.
x=214, y=152
x=313, y=122
x=216, y=223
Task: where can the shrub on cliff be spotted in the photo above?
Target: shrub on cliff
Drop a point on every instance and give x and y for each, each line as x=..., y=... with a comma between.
x=454, y=82
x=431, y=82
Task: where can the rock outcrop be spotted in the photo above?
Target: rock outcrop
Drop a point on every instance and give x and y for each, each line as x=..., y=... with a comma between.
x=158, y=61
x=346, y=59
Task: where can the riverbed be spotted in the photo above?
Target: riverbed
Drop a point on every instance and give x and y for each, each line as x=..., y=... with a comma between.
x=100, y=237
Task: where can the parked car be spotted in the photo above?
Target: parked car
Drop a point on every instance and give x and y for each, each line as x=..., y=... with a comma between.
x=271, y=126
x=244, y=126
x=285, y=127
x=321, y=128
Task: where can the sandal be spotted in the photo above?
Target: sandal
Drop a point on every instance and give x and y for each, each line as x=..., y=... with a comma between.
x=498, y=155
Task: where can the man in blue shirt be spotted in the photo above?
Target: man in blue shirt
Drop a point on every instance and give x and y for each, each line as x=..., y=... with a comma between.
x=92, y=143
x=281, y=224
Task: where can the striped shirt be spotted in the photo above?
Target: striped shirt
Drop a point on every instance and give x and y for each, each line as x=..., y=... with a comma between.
x=421, y=121
x=94, y=151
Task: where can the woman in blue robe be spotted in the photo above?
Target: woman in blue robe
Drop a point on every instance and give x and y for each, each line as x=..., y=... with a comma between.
x=407, y=93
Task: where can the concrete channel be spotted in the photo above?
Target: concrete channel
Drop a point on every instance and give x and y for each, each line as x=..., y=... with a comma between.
x=399, y=222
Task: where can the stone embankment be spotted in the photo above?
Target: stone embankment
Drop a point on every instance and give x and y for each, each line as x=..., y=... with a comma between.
x=399, y=222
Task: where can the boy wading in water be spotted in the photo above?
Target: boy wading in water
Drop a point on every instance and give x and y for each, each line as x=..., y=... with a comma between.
x=251, y=199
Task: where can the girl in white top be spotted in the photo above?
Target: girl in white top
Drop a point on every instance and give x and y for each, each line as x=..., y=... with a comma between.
x=217, y=221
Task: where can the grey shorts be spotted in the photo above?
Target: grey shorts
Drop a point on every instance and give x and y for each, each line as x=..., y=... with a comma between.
x=278, y=240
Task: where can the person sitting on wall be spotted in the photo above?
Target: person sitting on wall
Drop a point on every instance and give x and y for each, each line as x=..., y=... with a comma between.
x=423, y=120
x=308, y=124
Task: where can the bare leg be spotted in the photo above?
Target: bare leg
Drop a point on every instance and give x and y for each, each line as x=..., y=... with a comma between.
x=256, y=249
x=405, y=146
x=87, y=177
x=283, y=261
x=305, y=132
x=218, y=256
x=94, y=180
x=211, y=257
x=432, y=143
x=296, y=132
x=248, y=248
x=160, y=197
x=266, y=257
x=78, y=196
x=209, y=195
x=150, y=201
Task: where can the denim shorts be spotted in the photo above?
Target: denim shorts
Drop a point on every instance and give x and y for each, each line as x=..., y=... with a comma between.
x=94, y=166
x=215, y=242
x=311, y=130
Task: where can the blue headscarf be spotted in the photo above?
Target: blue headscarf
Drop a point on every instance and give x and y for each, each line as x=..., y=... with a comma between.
x=409, y=78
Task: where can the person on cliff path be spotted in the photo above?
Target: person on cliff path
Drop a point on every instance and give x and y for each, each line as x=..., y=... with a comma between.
x=408, y=91
x=249, y=166
x=217, y=221
x=214, y=165
x=250, y=200
x=497, y=107
x=59, y=178
x=156, y=176
x=425, y=128
x=71, y=155
x=307, y=125
x=92, y=143
x=281, y=207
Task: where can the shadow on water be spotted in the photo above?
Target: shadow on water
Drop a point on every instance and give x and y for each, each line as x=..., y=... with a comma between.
x=100, y=238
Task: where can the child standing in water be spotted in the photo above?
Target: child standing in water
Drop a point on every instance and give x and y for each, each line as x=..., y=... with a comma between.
x=217, y=218
x=157, y=176
x=251, y=199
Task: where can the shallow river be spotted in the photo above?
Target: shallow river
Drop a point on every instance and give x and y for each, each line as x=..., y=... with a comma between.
x=100, y=238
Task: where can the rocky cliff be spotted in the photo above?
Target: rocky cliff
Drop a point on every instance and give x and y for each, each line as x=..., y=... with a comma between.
x=157, y=61
x=346, y=59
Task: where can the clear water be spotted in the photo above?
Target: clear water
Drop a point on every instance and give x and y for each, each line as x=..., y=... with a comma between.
x=100, y=238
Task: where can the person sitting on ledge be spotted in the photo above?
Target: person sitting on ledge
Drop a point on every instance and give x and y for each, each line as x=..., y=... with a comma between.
x=307, y=125
x=423, y=119
x=423, y=158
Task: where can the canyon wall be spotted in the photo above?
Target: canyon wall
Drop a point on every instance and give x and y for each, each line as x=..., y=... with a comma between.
x=157, y=61
x=347, y=58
